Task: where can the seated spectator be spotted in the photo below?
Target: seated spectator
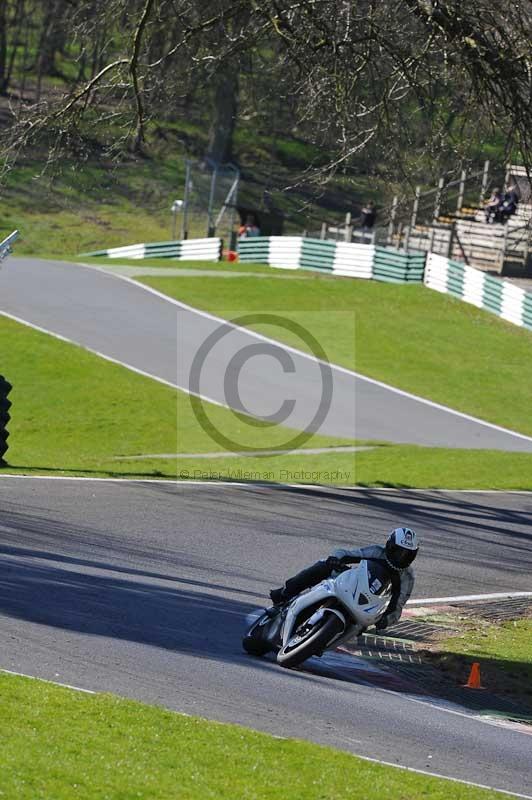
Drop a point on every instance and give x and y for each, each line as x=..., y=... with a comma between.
x=249, y=228
x=509, y=203
x=368, y=215
x=492, y=207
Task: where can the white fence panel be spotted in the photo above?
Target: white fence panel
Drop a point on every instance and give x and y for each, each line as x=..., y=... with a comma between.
x=512, y=303
x=473, y=287
x=130, y=251
x=285, y=251
x=436, y=272
x=354, y=260
x=200, y=249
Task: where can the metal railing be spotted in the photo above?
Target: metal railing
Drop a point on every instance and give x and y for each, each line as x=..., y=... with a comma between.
x=7, y=243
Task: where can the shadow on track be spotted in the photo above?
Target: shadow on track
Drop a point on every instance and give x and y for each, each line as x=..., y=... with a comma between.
x=180, y=619
x=477, y=526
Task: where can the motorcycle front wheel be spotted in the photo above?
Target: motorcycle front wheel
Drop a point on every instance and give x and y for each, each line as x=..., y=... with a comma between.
x=310, y=642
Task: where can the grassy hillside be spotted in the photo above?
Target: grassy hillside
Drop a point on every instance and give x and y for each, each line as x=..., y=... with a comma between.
x=90, y=203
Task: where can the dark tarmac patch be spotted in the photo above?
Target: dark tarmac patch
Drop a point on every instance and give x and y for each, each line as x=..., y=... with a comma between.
x=497, y=610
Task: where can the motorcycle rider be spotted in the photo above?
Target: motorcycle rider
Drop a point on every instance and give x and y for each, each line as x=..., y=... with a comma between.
x=397, y=556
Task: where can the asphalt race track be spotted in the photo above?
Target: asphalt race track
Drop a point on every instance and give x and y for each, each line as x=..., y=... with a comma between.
x=122, y=320
x=143, y=589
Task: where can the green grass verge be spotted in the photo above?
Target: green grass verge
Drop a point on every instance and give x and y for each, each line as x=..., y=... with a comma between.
x=409, y=336
x=77, y=413
x=399, y=466
x=58, y=743
x=504, y=651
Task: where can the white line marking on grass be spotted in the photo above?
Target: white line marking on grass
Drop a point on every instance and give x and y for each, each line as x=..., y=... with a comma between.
x=45, y=680
x=310, y=451
x=290, y=349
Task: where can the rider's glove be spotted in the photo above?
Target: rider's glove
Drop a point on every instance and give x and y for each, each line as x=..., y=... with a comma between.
x=381, y=624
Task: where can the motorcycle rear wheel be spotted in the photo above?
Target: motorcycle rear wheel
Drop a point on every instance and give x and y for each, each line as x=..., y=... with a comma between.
x=314, y=642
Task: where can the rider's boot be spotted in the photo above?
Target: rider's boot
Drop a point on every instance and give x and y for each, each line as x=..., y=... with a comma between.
x=278, y=598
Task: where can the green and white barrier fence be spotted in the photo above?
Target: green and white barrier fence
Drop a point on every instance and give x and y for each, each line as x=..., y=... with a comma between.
x=338, y=258
x=501, y=297
x=185, y=250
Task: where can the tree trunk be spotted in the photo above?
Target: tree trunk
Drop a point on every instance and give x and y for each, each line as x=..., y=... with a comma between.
x=53, y=38
x=224, y=113
x=3, y=48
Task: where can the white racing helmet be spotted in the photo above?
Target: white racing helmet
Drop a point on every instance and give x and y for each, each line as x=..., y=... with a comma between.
x=401, y=547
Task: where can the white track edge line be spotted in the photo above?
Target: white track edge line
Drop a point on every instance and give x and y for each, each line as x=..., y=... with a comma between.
x=443, y=777
x=467, y=598
x=356, y=755
x=216, y=484
x=45, y=680
x=301, y=353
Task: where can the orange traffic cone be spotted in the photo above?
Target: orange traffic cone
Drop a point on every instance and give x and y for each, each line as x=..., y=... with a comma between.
x=473, y=681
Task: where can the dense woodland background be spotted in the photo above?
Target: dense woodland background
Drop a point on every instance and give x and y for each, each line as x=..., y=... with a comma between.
x=357, y=95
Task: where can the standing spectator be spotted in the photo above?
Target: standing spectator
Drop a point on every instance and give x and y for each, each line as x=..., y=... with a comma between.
x=492, y=207
x=368, y=215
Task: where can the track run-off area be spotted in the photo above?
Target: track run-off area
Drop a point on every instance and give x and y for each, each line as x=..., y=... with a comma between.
x=143, y=589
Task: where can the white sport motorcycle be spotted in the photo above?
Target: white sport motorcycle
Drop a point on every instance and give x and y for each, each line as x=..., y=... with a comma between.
x=334, y=610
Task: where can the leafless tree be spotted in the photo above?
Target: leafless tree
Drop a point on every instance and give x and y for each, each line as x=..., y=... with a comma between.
x=355, y=75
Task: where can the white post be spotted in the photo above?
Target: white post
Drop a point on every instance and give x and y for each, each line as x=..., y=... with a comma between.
x=504, y=244
x=437, y=204
x=431, y=238
x=391, y=224
x=415, y=207
x=507, y=175
x=348, y=231
x=484, y=186
x=210, y=220
x=186, y=200
x=407, y=239
x=461, y=190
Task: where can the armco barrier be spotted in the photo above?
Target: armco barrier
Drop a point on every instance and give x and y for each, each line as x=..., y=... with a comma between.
x=498, y=296
x=184, y=250
x=336, y=258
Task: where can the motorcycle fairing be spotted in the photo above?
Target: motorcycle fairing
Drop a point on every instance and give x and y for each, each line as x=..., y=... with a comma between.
x=351, y=589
